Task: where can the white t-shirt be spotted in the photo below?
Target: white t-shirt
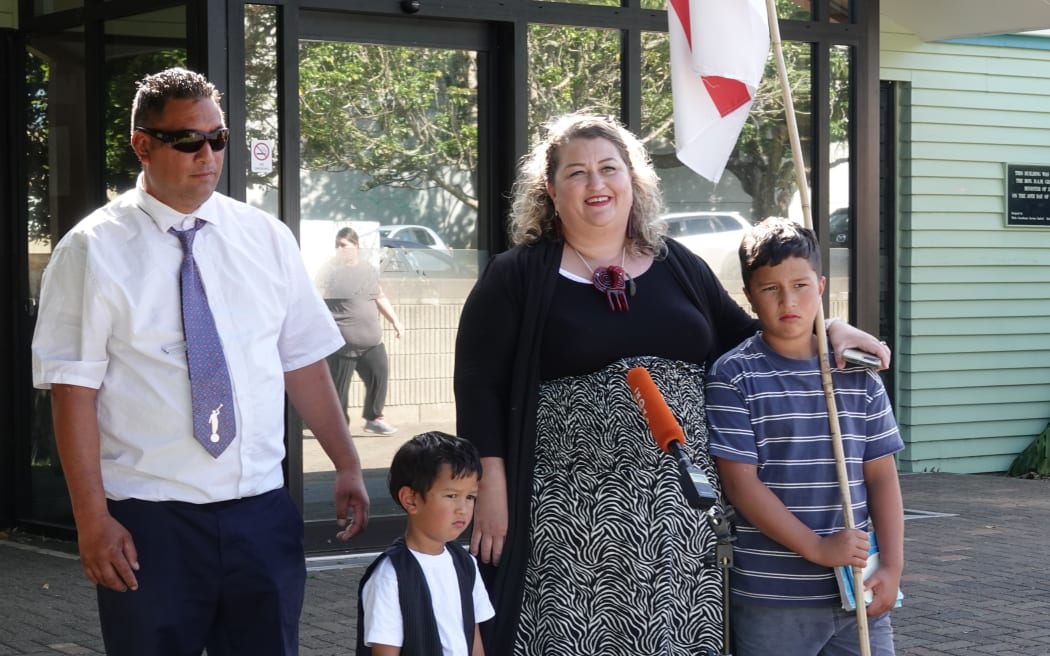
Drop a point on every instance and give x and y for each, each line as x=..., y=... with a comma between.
x=111, y=319
x=382, y=610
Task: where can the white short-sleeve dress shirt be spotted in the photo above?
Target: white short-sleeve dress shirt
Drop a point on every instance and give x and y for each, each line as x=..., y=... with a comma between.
x=110, y=318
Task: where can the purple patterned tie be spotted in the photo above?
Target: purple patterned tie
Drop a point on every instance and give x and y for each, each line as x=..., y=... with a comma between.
x=213, y=421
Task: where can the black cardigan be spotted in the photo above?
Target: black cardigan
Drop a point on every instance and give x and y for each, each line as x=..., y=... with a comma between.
x=497, y=381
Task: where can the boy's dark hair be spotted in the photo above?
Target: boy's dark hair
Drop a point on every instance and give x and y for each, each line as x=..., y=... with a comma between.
x=774, y=240
x=154, y=91
x=417, y=462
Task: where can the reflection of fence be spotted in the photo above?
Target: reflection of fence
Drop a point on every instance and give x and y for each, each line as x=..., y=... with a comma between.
x=839, y=307
x=422, y=360
x=421, y=364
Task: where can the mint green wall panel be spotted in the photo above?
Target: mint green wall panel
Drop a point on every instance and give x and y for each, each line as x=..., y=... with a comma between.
x=962, y=310
x=957, y=185
x=973, y=352
x=1029, y=135
x=960, y=447
x=987, y=152
x=954, y=464
x=973, y=402
x=8, y=14
x=946, y=204
x=946, y=99
x=1020, y=292
x=962, y=117
x=946, y=379
x=952, y=168
x=989, y=256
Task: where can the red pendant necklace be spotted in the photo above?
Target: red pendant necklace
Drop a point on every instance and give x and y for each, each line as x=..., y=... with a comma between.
x=612, y=281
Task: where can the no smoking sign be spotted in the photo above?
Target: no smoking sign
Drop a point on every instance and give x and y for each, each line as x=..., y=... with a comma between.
x=262, y=155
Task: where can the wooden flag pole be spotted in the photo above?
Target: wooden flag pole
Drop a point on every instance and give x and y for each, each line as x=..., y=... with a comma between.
x=822, y=338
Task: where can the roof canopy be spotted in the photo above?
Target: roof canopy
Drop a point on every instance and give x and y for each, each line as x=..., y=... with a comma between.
x=933, y=20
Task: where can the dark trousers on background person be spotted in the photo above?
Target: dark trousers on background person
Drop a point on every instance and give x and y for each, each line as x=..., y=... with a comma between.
x=229, y=576
x=374, y=369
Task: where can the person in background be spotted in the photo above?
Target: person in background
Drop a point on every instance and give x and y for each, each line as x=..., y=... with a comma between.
x=424, y=596
x=172, y=322
x=350, y=288
x=586, y=544
x=771, y=440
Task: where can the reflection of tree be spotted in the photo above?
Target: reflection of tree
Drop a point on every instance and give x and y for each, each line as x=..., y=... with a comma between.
x=762, y=158
x=407, y=117
x=122, y=74
x=121, y=166
x=260, y=65
x=570, y=69
x=37, y=75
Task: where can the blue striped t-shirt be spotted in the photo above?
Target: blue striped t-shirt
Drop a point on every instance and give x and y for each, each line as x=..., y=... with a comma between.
x=769, y=410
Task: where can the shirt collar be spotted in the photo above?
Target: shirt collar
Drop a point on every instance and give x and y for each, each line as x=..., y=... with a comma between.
x=166, y=217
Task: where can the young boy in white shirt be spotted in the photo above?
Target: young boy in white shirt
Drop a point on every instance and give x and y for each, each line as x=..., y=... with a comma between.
x=424, y=596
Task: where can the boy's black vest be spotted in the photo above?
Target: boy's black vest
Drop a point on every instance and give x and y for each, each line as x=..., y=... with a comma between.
x=417, y=609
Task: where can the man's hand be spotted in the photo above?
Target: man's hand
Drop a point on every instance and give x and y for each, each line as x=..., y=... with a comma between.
x=350, y=493
x=313, y=395
x=107, y=554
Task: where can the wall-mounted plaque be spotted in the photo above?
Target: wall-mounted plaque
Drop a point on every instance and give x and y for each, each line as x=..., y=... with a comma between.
x=1027, y=195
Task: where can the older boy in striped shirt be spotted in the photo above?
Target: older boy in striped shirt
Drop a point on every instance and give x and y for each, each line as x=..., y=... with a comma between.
x=771, y=438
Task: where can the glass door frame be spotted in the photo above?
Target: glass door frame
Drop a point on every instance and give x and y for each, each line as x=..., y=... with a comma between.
x=492, y=176
x=18, y=497
x=14, y=453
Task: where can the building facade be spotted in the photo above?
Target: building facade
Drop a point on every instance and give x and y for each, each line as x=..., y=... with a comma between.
x=972, y=255
x=372, y=113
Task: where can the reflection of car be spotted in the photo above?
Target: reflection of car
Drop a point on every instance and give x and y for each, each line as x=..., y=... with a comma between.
x=714, y=236
x=414, y=233
x=399, y=256
x=838, y=227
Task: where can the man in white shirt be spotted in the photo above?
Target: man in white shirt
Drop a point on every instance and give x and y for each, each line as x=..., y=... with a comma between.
x=189, y=548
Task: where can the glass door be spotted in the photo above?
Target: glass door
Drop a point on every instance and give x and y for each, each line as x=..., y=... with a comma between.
x=388, y=150
x=63, y=184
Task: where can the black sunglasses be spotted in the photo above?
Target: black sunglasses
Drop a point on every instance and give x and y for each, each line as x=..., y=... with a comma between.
x=190, y=141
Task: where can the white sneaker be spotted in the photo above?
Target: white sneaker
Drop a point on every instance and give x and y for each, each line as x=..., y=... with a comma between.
x=378, y=425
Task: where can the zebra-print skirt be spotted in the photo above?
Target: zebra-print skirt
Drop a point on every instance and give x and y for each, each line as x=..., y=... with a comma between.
x=616, y=562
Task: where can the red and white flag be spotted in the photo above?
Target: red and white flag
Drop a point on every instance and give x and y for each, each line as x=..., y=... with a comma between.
x=718, y=54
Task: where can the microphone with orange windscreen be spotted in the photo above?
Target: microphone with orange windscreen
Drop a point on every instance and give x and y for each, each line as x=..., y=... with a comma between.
x=669, y=437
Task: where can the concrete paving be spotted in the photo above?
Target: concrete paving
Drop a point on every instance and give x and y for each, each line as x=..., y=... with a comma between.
x=977, y=579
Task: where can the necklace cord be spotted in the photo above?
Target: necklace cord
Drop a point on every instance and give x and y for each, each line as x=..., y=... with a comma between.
x=623, y=258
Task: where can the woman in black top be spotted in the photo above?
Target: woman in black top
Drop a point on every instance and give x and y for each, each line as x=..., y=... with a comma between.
x=586, y=544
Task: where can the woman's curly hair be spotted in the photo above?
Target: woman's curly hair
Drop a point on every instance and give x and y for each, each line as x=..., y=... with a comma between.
x=532, y=213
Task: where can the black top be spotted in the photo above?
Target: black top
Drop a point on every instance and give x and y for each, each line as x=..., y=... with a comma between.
x=583, y=335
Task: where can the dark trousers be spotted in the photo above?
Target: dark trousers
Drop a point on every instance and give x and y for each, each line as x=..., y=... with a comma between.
x=229, y=576
x=373, y=368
